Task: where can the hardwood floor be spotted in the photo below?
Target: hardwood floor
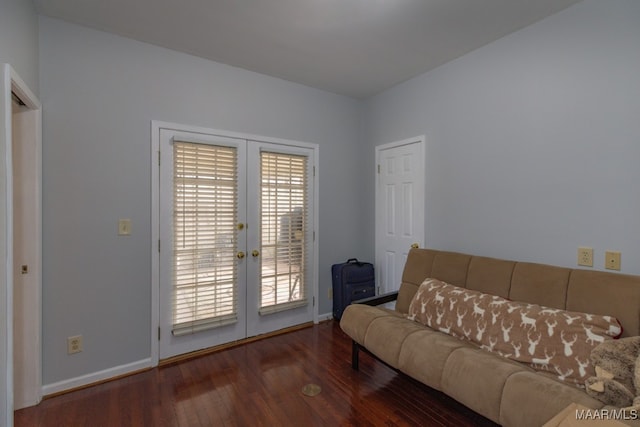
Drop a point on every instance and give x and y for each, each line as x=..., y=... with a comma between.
x=259, y=384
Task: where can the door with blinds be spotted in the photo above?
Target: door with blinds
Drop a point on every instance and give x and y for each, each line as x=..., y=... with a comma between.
x=235, y=239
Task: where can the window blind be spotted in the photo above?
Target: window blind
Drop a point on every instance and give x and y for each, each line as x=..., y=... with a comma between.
x=205, y=212
x=283, y=216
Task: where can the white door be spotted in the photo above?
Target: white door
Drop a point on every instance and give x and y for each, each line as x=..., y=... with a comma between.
x=26, y=268
x=280, y=237
x=234, y=239
x=399, y=208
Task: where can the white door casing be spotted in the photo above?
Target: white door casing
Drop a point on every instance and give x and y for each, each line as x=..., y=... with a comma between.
x=22, y=140
x=400, y=204
x=250, y=321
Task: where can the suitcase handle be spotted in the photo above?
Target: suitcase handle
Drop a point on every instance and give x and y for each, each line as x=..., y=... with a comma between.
x=354, y=260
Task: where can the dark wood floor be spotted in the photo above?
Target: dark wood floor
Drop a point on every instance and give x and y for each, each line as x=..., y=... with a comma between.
x=259, y=384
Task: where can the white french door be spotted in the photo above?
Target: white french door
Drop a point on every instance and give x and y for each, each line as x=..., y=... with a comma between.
x=235, y=228
x=280, y=238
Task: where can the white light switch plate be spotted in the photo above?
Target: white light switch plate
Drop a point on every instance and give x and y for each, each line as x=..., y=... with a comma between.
x=124, y=227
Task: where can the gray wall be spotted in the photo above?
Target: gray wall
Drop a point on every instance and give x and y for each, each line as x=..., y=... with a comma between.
x=533, y=141
x=532, y=144
x=19, y=39
x=19, y=48
x=99, y=94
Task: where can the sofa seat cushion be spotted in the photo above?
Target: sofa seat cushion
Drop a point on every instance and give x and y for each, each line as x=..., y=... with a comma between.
x=386, y=335
x=424, y=354
x=544, y=398
x=476, y=378
x=356, y=319
x=548, y=339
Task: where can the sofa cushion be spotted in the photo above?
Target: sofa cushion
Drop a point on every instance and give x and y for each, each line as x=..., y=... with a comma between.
x=476, y=379
x=548, y=339
x=385, y=337
x=424, y=354
x=356, y=319
x=544, y=398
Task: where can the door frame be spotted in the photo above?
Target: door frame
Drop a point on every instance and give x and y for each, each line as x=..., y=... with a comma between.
x=421, y=141
x=12, y=82
x=156, y=126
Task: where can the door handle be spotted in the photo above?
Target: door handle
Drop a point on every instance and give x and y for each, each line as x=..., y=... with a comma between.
x=415, y=246
x=255, y=253
x=240, y=255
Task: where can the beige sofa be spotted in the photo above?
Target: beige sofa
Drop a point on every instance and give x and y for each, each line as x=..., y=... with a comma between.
x=507, y=392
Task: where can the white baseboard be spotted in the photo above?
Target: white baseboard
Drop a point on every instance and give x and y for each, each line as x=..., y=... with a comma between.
x=324, y=317
x=95, y=377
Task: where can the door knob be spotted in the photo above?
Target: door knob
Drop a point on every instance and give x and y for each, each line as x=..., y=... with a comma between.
x=415, y=246
x=255, y=253
x=240, y=255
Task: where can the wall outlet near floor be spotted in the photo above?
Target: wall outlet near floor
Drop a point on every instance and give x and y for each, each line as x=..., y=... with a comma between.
x=74, y=344
x=585, y=256
x=612, y=260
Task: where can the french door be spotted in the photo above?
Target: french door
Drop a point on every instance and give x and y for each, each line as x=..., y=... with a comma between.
x=236, y=239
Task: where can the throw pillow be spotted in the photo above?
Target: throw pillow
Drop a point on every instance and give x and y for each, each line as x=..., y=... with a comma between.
x=547, y=339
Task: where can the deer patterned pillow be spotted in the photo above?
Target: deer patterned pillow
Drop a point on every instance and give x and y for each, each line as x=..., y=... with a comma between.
x=547, y=339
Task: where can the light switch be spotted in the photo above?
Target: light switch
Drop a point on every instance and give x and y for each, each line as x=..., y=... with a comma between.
x=124, y=227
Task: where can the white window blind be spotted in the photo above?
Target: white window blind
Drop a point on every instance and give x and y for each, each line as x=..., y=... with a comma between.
x=205, y=212
x=283, y=216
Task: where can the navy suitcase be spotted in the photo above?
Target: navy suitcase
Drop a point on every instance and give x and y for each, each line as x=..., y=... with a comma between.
x=352, y=280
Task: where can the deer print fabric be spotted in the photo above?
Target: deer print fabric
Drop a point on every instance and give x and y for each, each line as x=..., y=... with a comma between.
x=547, y=339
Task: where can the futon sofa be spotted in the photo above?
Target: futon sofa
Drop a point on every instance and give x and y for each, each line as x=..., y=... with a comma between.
x=491, y=382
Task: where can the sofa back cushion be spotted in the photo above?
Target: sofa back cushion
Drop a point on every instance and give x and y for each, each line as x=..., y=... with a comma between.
x=556, y=287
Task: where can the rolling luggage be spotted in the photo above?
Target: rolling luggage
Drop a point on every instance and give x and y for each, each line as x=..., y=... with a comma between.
x=351, y=281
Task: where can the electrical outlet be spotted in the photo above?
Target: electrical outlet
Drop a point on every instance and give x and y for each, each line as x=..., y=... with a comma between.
x=330, y=293
x=74, y=344
x=612, y=260
x=585, y=256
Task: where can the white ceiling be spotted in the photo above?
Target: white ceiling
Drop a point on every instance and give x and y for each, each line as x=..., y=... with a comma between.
x=351, y=47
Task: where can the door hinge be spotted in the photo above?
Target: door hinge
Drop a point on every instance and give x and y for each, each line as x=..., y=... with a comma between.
x=314, y=171
x=378, y=168
x=313, y=299
x=158, y=245
x=158, y=333
x=314, y=236
x=158, y=157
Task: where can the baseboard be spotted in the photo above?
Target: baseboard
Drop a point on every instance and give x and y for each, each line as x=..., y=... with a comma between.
x=324, y=317
x=95, y=378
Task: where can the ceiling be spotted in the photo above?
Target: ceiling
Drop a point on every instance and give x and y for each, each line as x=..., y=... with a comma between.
x=352, y=47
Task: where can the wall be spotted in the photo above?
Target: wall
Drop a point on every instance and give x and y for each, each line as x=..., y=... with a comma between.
x=533, y=141
x=19, y=48
x=99, y=94
x=19, y=39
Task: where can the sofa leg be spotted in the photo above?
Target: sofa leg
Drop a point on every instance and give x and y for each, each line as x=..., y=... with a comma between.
x=355, y=352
